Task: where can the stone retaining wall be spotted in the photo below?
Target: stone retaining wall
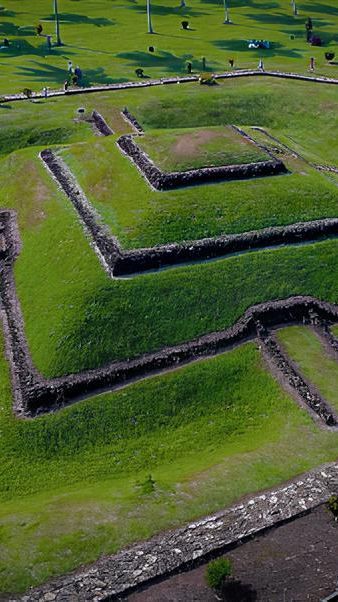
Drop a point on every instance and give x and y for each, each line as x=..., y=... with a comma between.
x=168, y=181
x=173, y=80
x=101, y=125
x=183, y=548
x=127, y=116
x=107, y=246
x=140, y=260
x=290, y=375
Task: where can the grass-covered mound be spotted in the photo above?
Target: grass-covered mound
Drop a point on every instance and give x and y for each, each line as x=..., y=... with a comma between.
x=302, y=115
x=75, y=484
x=109, y=40
x=81, y=318
x=306, y=349
x=192, y=148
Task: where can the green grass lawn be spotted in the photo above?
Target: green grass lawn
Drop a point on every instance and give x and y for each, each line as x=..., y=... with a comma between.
x=109, y=40
x=306, y=349
x=71, y=483
x=212, y=431
x=191, y=148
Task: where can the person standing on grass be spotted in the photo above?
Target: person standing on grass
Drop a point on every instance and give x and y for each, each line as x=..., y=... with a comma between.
x=78, y=74
x=70, y=67
x=261, y=65
x=312, y=64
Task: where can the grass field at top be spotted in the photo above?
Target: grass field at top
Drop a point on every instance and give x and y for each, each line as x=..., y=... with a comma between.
x=109, y=40
x=191, y=148
x=306, y=349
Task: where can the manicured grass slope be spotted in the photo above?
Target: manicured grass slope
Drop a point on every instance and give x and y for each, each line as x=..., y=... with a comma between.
x=208, y=434
x=306, y=349
x=109, y=40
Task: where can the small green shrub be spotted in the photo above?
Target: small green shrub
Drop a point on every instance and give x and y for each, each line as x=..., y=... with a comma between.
x=207, y=79
x=333, y=505
x=27, y=92
x=147, y=486
x=217, y=572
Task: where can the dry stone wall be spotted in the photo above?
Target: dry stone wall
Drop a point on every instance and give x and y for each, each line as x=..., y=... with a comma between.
x=101, y=125
x=174, y=80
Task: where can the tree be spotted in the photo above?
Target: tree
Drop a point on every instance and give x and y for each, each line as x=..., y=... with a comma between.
x=57, y=23
x=226, y=12
x=150, y=27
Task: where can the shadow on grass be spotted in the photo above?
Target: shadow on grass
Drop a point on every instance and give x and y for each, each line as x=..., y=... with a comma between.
x=275, y=49
x=247, y=4
x=324, y=8
x=160, y=10
x=280, y=19
x=81, y=19
x=19, y=47
x=8, y=13
x=167, y=60
x=10, y=29
x=51, y=74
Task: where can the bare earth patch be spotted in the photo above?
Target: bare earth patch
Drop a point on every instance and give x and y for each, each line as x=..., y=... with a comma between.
x=190, y=144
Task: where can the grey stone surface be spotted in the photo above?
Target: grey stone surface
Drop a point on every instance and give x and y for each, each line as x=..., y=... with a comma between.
x=171, y=550
x=101, y=125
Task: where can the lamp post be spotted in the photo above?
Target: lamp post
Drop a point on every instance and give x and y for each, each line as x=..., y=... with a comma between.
x=226, y=12
x=150, y=27
x=57, y=24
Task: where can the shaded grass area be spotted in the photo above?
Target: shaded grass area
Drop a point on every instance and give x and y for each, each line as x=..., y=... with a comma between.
x=208, y=433
x=180, y=150
x=306, y=349
x=109, y=40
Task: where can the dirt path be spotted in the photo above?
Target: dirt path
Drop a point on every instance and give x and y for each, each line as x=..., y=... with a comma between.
x=295, y=562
